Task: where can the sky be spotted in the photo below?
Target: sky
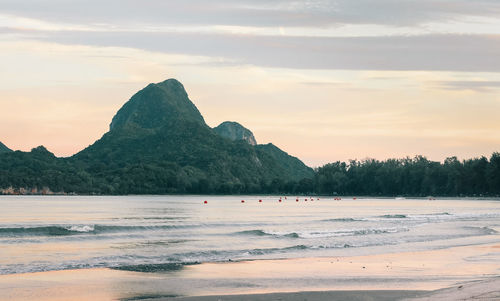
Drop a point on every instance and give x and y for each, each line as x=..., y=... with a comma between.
x=323, y=80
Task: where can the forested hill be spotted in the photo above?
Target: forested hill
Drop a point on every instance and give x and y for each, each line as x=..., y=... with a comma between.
x=158, y=142
x=4, y=149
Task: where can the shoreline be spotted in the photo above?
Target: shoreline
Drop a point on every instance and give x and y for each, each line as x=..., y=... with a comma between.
x=365, y=277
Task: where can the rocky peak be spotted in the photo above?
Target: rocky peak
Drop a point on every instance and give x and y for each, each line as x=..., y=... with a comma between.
x=156, y=105
x=235, y=131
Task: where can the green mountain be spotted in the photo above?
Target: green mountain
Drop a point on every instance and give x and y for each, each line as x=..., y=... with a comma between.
x=235, y=131
x=291, y=165
x=155, y=106
x=4, y=149
x=159, y=143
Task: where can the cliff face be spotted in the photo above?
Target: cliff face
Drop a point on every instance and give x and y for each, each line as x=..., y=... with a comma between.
x=235, y=131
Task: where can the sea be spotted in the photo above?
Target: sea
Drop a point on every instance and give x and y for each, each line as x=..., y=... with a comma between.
x=155, y=233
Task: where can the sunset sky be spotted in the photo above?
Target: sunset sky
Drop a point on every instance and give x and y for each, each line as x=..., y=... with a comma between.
x=323, y=80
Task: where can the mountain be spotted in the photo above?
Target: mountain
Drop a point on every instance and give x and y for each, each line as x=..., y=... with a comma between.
x=4, y=149
x=291, y=165
x=158, y=142
x=157, y=105
x=235, y=131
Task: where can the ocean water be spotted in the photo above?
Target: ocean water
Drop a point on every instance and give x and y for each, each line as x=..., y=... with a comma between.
x=160, y=233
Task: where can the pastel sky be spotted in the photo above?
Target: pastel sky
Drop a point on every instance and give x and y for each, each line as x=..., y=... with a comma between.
x=323, y=80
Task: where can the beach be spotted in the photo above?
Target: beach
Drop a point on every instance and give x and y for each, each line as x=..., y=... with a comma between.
x=428, y=275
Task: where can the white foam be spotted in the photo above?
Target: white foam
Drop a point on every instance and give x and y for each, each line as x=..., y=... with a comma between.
x=81, y=228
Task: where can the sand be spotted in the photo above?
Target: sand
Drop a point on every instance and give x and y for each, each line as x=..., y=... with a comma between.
x=430, y=275
x=476, y=290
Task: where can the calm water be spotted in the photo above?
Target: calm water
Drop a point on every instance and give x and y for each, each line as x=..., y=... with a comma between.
x=149, y=232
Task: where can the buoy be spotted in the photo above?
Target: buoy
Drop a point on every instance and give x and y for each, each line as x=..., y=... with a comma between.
x=242, y=201
x=205, y=202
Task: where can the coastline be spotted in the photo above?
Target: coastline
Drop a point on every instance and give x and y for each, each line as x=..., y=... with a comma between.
x=371, y=277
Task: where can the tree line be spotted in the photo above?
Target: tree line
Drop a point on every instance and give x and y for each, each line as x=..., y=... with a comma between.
x=416, y=176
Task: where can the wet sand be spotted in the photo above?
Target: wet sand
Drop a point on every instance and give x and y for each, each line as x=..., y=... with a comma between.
x=360, y=295
x=391, y=276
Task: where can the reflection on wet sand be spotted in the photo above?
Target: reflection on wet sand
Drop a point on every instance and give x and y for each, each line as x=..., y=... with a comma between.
x=427, y=270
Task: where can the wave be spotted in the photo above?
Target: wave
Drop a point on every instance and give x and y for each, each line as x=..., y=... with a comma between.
x=394, y=216
x=390, y=216
x=420, y=217
x=322, y=234
x=344, y=219
x=352, y=232
x=46, y=230
x=63, y=230
x=259, y=232
x=482, y=230
x=277, y=250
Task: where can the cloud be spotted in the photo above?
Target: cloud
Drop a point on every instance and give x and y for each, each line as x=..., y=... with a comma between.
x=472, y=85
x=285, y=13
x=449, y=52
